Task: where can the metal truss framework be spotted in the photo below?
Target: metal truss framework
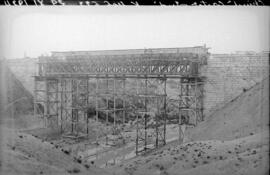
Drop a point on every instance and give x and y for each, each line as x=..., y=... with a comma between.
x=67, y=85
x=190, y=103
x=146, y=117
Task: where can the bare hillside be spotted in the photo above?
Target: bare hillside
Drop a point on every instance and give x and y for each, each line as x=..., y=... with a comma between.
x=25, y=154
x=246, y=115
x=14, y=97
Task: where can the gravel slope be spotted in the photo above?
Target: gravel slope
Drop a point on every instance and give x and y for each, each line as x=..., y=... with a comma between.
x=24, y=154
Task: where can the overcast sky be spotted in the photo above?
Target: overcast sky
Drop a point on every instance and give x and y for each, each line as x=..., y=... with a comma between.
x=33, y=31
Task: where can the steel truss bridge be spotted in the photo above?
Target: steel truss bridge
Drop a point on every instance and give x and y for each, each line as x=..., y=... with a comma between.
x=120, y=84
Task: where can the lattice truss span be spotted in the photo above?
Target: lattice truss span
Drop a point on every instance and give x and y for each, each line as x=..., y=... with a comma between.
x=101, y=92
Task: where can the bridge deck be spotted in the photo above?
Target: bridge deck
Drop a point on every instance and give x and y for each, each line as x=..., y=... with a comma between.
x=171, y=62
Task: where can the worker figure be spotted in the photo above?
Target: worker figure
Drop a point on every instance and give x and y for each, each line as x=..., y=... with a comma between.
x=182, y=128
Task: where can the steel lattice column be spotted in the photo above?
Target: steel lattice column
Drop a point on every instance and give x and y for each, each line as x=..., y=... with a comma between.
x=190, y=103
x=151, y=112
x=51, y=103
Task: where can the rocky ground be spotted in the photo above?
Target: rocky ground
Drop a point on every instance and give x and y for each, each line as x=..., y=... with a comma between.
x=248, y=155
